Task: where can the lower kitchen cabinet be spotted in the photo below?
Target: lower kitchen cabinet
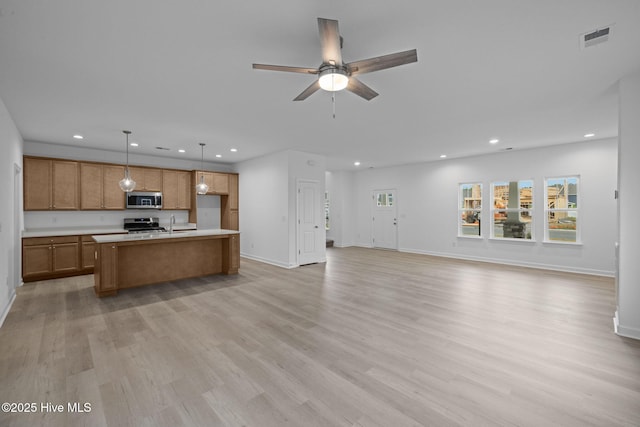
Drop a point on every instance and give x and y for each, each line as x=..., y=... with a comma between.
x=49, y=257
x=106, y=269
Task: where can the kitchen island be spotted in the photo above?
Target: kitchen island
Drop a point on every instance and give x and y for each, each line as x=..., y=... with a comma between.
x=129, y=260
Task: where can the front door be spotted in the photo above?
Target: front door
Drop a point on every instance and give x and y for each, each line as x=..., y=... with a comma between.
x=385, y=219
x=311, y=232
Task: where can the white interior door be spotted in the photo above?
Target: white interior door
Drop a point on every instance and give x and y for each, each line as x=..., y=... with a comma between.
x=385, y=219
x=311, y=240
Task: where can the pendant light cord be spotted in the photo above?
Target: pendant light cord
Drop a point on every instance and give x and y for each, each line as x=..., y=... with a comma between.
x=201, y=161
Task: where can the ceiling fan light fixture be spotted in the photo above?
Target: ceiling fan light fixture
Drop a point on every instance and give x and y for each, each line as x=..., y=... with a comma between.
x=333, y=79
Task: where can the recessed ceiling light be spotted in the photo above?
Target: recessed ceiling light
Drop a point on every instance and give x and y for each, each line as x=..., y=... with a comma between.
x=181, y=151
x=494, y=141
x=78, y=136
x=234, y=150
x=589, y=135
x=356, y=163
x=442, y=156
x=134, y=144
x=218, y=155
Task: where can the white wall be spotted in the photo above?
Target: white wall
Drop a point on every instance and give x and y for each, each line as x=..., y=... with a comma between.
x=427, y=198
x=264, y=208
x=340, y=185
x=10, y=214
x=628, y=280
x=209, y=212
x=268, y=187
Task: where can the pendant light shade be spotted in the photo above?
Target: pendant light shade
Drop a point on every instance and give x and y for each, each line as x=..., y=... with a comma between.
x=202, y=187
x=127, y=184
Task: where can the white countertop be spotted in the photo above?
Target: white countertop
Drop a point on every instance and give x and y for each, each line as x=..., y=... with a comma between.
x=70, y=231
x=114, y=238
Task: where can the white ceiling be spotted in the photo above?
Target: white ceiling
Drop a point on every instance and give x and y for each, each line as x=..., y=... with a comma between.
x=179, y=73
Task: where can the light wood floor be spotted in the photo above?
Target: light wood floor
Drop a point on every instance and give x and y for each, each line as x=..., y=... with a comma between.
x=372, y=338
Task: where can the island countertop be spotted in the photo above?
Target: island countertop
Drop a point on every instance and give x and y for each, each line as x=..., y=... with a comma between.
x=117, y=238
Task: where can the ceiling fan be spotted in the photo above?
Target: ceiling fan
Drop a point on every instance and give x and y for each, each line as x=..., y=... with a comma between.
x=335, y=75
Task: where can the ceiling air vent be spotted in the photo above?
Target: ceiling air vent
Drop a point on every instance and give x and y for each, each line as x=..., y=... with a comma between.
x=595, y=37
x=163, y=148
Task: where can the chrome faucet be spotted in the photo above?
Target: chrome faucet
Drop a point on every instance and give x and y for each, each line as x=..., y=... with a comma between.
x=172, y=220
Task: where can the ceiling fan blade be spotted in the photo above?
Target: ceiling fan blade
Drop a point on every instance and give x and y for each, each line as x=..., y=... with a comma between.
x=285, y=68
x=330, y=41
x=382, y=62
x=361, y=89
x=308, y=91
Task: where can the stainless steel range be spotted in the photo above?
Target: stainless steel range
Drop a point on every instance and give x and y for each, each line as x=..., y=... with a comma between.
x=143, y=225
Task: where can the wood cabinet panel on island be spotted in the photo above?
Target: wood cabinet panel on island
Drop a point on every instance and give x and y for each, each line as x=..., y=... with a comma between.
x=50, y=184
x=129, y=261
x=147, y=179
x=99, y=186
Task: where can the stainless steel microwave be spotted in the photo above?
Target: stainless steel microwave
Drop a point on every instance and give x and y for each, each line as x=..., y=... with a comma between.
x=144, y=200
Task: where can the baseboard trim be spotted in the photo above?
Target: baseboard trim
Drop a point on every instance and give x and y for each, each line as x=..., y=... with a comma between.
x=6, y=310
x=624, y=331
x=565, y=269
x=268, y=261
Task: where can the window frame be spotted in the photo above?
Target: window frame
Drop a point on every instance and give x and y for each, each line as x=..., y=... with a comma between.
x=576, y=209
x=530, y=210
x=462, y=210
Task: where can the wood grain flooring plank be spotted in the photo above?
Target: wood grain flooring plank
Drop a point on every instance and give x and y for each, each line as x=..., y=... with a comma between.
x=370, y=338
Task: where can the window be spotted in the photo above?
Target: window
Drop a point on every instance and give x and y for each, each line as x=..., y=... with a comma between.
x=326, y=210
x=512, y=210
x=384, y=200
x=561, y=210
x=470, y=210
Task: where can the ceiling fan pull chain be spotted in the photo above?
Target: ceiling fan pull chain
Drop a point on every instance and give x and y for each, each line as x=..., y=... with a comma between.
x=333, y=101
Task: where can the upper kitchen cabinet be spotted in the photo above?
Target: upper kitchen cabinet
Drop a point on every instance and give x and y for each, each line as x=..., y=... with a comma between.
x=147, y=179
x=50, y=184
x=176, y=189
x=233, y=191
x=99, y=187
x=218, y=182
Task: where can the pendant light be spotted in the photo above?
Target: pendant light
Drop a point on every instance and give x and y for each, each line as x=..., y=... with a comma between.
x=127, y=184
x=202, y=187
